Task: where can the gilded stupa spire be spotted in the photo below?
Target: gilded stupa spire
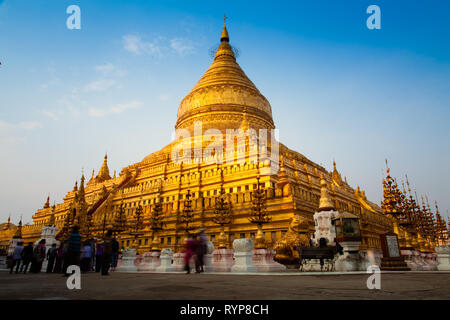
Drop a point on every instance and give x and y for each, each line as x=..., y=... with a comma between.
x=224, y=81
x=224, y=36
x=51, y=221
x=81, y=190
x=18, y=233
x=103, y=174
x=75, y=187
x=325, y=203
x=47, y=203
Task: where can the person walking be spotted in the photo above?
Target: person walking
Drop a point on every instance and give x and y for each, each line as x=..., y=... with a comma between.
x=115, y=254
x=107, y=252
x=65, y=263
x=73, y=249
x=200, y=251
x=189, y=252
x=98, y=256
x=51, y=257
x=86, y=255
x=27, y=256
x=59, y=258
x=38, y=257
x=16, y=257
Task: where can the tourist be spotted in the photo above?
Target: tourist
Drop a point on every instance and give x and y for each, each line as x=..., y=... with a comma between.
x=91, y=261
x=65, y=256
x=27, y=256
x=107, y=252
x=59, y=258
x=98, y=256
x=73, y=249
x=51, y=257
x=16, y=257
x=200, y=251
x=38, y=257
x=189, y=252
x=86, y=255
x=115, y=253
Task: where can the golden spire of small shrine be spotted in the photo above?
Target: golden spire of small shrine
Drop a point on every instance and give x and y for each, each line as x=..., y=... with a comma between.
x=103, y=174
x=47, y=203
x=51, y=221
x=325, y=203
x=18, y=233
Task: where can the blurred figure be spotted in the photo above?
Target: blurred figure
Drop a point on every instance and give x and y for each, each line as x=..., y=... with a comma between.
x=59, y=258
x=86, y=255
x=200, y=251
x=27, y=256
x=107, y=253
x=98, y=256
x=16, y=257
x=38, y=257
x=73, y=249
x=51, y=257
x=115, y=253
x=189, y=252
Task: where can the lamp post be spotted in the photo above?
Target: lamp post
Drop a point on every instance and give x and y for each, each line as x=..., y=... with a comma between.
x=156, y=224
x=222, y=217
x=259, y=215
x=186, y=216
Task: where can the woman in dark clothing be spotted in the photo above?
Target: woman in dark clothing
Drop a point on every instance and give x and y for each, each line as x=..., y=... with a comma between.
x=59, y=259
x=38, y=257
x=51, y=257
x=27, y=256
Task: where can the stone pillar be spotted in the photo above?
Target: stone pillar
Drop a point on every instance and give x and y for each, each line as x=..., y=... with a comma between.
x=208, y=257
x=243, y=255
x=410, y=260
x=222, y=259
x=128, y=258
x=263, y=260
x=350, y=260
x=166, y=261
x=146, y=264
x=443, y=253
x=178, y=261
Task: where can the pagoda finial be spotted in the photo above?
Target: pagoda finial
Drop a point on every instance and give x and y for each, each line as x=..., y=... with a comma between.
x=75, y=188
x=103, y=173
x=51, y=221
x=47, y=203
x=224, y=36
x=18, y=233
x=325, y=203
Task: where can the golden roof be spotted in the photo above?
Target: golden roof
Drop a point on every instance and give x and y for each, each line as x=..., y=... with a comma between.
x=220, y=96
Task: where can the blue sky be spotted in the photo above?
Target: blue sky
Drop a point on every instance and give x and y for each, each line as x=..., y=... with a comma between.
x=338, y=90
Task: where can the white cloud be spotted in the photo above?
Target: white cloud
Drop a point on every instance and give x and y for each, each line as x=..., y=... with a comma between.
x=107, y=67
x=159, y=47
x=99, y=85
x=10, y=133
x=136, y=45
x=182, y=46
x=117, y=109
x=30, y=125
x=52, y=115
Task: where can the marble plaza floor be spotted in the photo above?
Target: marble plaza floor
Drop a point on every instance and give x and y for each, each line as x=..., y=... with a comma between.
x=289, y=285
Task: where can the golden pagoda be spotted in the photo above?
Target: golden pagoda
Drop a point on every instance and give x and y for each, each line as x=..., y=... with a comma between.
x=223, y=99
